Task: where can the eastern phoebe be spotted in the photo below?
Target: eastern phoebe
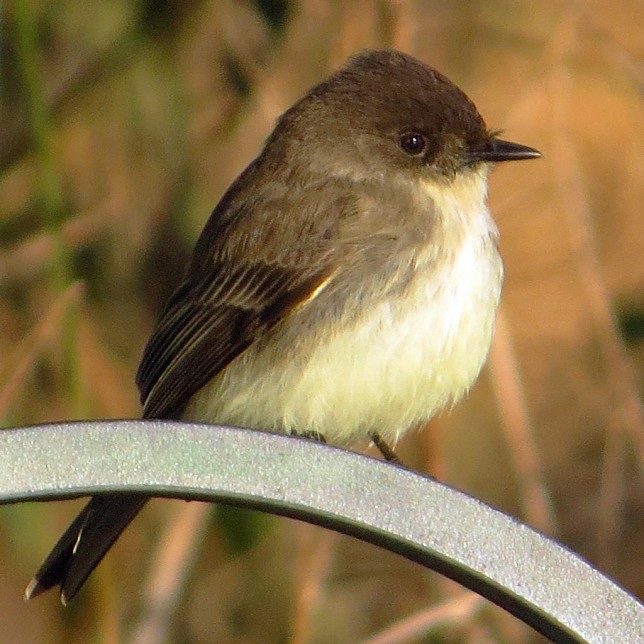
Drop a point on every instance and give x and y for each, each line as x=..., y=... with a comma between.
x=345, y=285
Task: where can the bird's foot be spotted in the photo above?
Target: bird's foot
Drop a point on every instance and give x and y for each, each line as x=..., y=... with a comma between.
x=311, y=435
x=384, y=449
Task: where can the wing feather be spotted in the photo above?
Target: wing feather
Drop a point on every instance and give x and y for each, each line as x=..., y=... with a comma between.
x=210, y=321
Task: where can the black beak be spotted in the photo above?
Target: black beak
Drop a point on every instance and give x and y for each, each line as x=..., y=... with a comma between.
x=495, y=150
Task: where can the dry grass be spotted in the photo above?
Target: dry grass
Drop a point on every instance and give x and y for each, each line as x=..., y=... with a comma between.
x=123, y=122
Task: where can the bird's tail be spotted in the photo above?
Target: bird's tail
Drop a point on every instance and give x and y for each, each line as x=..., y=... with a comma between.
x=84, y=544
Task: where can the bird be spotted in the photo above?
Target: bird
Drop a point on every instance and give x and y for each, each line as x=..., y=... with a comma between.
x=345, y=286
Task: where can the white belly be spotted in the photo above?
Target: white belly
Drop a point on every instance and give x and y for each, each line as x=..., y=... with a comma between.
x=391, y=370
x=397, y=363
x=402, y=362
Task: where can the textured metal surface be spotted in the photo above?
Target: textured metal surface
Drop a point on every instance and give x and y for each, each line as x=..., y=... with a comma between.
x=531, y=576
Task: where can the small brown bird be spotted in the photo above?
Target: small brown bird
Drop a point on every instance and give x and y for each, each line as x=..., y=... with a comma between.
x=345, y=285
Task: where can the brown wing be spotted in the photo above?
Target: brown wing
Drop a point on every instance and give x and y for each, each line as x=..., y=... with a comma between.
x=209, y=322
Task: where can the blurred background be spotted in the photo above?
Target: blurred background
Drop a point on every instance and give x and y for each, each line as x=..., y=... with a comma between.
x=122, y=124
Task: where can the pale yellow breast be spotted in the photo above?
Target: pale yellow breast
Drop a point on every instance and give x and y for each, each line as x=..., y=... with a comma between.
x=406, y=358
x=399, y=361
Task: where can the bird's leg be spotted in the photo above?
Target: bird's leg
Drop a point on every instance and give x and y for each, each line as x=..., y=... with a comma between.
x=376, y=439
x=385, y=450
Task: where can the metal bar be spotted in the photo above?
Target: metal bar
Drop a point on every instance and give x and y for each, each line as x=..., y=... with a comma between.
x=531, y=576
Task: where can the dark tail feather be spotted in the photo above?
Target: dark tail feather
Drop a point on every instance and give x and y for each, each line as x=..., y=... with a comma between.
x=84, y=544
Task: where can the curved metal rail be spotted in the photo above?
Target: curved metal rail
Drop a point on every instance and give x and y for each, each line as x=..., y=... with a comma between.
x=531, y=576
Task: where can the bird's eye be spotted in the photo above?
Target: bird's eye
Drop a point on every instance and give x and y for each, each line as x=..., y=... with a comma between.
x=413, y=143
